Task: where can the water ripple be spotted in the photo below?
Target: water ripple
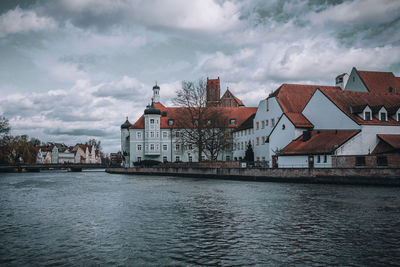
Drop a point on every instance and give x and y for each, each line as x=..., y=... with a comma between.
x=64, y=219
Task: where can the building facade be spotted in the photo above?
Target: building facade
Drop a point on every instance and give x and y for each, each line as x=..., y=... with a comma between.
x=157, y=134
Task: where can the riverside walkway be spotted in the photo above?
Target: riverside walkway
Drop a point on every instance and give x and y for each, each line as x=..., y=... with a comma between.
x=57, y=166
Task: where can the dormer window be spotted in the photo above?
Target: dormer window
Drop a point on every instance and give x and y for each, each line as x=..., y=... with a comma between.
x=170, y=122
x=367, y=115
x=398, y=117
x=339, y=80
x=392, y=89
x=233, y=121
x=383, y=116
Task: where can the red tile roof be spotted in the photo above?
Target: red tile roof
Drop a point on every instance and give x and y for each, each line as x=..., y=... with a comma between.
x=321, y=142
x=299, y=120
x=240, y=114
x=293, y=98
x=391, y=139
x=379, y=82
x=348, y=101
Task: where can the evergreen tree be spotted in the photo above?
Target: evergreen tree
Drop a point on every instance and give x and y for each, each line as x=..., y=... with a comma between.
x=249, y=153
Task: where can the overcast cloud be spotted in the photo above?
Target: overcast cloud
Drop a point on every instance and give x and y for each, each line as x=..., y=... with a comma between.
x=74, y=69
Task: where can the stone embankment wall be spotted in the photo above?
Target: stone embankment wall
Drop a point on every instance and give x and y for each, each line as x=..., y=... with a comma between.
x=333, y=176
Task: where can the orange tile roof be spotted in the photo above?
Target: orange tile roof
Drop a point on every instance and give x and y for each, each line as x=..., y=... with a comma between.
x=348, y=101
x=240, y=114
x=379, y=82
x=391, y=139
x=321, y=142
x=293, y=98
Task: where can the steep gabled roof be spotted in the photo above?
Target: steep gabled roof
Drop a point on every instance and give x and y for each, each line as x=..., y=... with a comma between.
x=380, y=82
x=240, y=114
x=293, y=98
x=247, y=124
x=228, y=94
x=347, y=101
x=321, y=142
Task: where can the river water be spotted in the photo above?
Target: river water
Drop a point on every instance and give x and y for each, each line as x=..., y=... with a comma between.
x=94, y=218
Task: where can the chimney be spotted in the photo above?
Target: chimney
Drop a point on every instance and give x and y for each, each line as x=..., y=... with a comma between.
x=306, y=136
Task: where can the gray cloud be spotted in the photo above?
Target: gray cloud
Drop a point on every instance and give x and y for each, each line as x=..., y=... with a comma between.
x=78, y=132
x=98, y=61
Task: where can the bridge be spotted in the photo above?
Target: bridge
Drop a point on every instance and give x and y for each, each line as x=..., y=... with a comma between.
x=56, y=166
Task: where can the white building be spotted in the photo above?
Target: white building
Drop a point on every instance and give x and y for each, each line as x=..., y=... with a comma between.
x=156, y=134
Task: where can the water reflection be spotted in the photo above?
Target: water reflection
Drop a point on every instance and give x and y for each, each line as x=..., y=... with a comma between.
x=101, y=219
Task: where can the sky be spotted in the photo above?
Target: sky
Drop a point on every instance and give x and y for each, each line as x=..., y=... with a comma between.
x=71, y=70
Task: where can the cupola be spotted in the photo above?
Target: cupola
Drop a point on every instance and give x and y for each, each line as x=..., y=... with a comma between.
x=126, y=124
x=156, y=93
x=152, y=110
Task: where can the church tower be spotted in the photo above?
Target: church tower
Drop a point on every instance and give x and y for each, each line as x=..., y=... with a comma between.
x=156, y=93
x=213, y=92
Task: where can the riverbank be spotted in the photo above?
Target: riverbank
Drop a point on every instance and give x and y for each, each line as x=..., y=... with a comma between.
x=382, y=176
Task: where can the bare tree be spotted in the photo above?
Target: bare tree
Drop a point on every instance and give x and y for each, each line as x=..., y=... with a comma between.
x=4, y=126
x=200, y=126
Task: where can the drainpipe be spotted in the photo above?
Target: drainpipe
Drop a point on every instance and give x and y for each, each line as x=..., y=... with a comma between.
x=170, y=131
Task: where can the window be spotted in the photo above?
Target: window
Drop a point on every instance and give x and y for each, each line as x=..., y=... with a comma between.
x=383, y=116
x=157, y=147
x=151, y=147
x=398, y=116
x=360, y=161
x=263, y=140
x=257, y=141
x=170, y=122
x=228, y=158
x=139, y=147
x=266, y=123
x=190, y=158
x=267, y=104
x=165, y=159
x=241, y=145
x=203, y=157
x=208, y=122
x=354, y=79
x=257, y=125
x=258, y=158
x=263, y=158
x=283, y=126
x=165, y=147
x=262, y=124
x=325, y=159
x=190, y=147
x=157, y=134
x=381, y=161
x=196, y=122
x=177, y=134
x=165, y=134
x=177, y=147
x=177, y=158
x=318, y=159
x=151, y=121
x=151, y=134
x=139, y=135
x=392, y=90
x=139, y=159
x=367, y=115
x=234, y=146
x=233, y=121
x=272, y=122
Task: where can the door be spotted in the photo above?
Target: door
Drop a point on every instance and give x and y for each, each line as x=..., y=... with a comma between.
x=310, y=162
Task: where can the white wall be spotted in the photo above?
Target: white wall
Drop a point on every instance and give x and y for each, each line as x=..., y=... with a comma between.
x=301, y=161
x=243, y=136
x=280, y=138
x=366, y=141
x=325, y=115
x=274, y=111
